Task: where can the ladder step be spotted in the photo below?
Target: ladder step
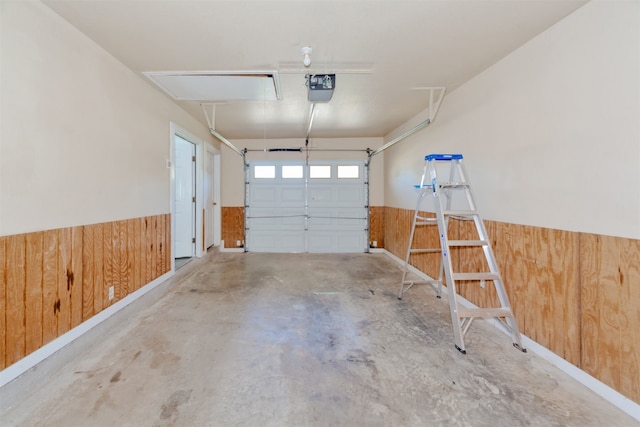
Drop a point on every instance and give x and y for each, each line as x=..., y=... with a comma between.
x=476, y=276
x=430, y=157
x=453, y=184
x=420, y=282
x=417, y=250
x=484, y=313
x=468, y=243
x=426, y=223
x=460, y=213
x=426, y=219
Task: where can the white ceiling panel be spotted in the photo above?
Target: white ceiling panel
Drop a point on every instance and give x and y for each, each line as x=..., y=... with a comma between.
x=221, y=86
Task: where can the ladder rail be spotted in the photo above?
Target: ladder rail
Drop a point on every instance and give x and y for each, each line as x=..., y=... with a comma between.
x=446, y=262
x=405, y=284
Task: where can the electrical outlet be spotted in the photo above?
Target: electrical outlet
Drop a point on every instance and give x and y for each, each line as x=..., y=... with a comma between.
x=238, y=243
x=375, y=243
x=111, y=293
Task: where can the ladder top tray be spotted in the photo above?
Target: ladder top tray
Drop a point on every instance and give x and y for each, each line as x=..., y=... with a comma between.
x=430, y=157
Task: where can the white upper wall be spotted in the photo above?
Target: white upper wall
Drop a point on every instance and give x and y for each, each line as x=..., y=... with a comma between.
x=550, y=134
x=233, y=171
x=83, y=139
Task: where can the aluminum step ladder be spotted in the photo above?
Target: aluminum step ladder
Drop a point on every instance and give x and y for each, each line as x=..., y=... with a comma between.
x=453, y=199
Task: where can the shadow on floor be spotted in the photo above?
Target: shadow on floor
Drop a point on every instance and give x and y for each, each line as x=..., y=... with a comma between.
x=181, y=262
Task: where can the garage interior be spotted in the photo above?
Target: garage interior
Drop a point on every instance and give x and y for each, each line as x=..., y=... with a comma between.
x=205, y=209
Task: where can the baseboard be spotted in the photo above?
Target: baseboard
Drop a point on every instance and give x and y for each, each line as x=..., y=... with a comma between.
x=223, y=249
x=32, y=362
x=612, y=396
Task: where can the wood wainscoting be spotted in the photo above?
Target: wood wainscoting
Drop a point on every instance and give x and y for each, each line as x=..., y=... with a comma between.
x=232, y=225
x=576, y=294
x=52, y=281
x=376, y=225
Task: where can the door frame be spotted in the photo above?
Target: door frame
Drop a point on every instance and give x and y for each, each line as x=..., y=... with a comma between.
x=175, y=129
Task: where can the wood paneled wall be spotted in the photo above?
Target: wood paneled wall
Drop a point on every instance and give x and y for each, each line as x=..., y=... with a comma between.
x=577, y=294
x=51, y=281
x=376, y=225
x=609, y=274
x=232, y=225
x=397, y=228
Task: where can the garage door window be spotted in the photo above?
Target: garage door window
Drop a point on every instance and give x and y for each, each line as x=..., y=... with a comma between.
x=292, y=171
x=348, y=171
x=319, y=171
x=264, y=171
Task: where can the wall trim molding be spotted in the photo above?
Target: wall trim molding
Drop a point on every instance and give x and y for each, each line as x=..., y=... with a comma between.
x=609, y=394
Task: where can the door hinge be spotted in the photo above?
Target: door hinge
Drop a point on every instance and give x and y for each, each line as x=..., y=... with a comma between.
x=193, y=240
x=193, y=158
x=193, y=199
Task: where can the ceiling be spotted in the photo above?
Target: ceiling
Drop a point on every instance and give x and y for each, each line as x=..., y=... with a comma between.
x=382, y=52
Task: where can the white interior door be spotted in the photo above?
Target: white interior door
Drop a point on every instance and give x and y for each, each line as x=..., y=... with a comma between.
x=185, y=203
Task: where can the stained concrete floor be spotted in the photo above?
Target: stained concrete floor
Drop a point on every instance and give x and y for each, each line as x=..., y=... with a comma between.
x=303, y=340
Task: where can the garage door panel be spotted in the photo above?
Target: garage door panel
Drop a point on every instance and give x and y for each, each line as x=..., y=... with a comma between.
x=275, y=218
x=319, y=195
x=350, y=195
x=307, y=214
x=274, y=224
x=271, y=197
x=353, y=241
x=262, y=194
x=336, y=202
x=293, y=194
x=343, y=225
x=261, y=213
x=286, y=241
x=319, y=242
x=341, y=218
x=344, y=242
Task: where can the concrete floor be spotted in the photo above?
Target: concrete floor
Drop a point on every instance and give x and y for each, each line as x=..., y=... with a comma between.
x=302, y=340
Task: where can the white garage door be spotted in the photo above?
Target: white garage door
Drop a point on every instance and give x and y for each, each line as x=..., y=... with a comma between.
x=320, y=207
